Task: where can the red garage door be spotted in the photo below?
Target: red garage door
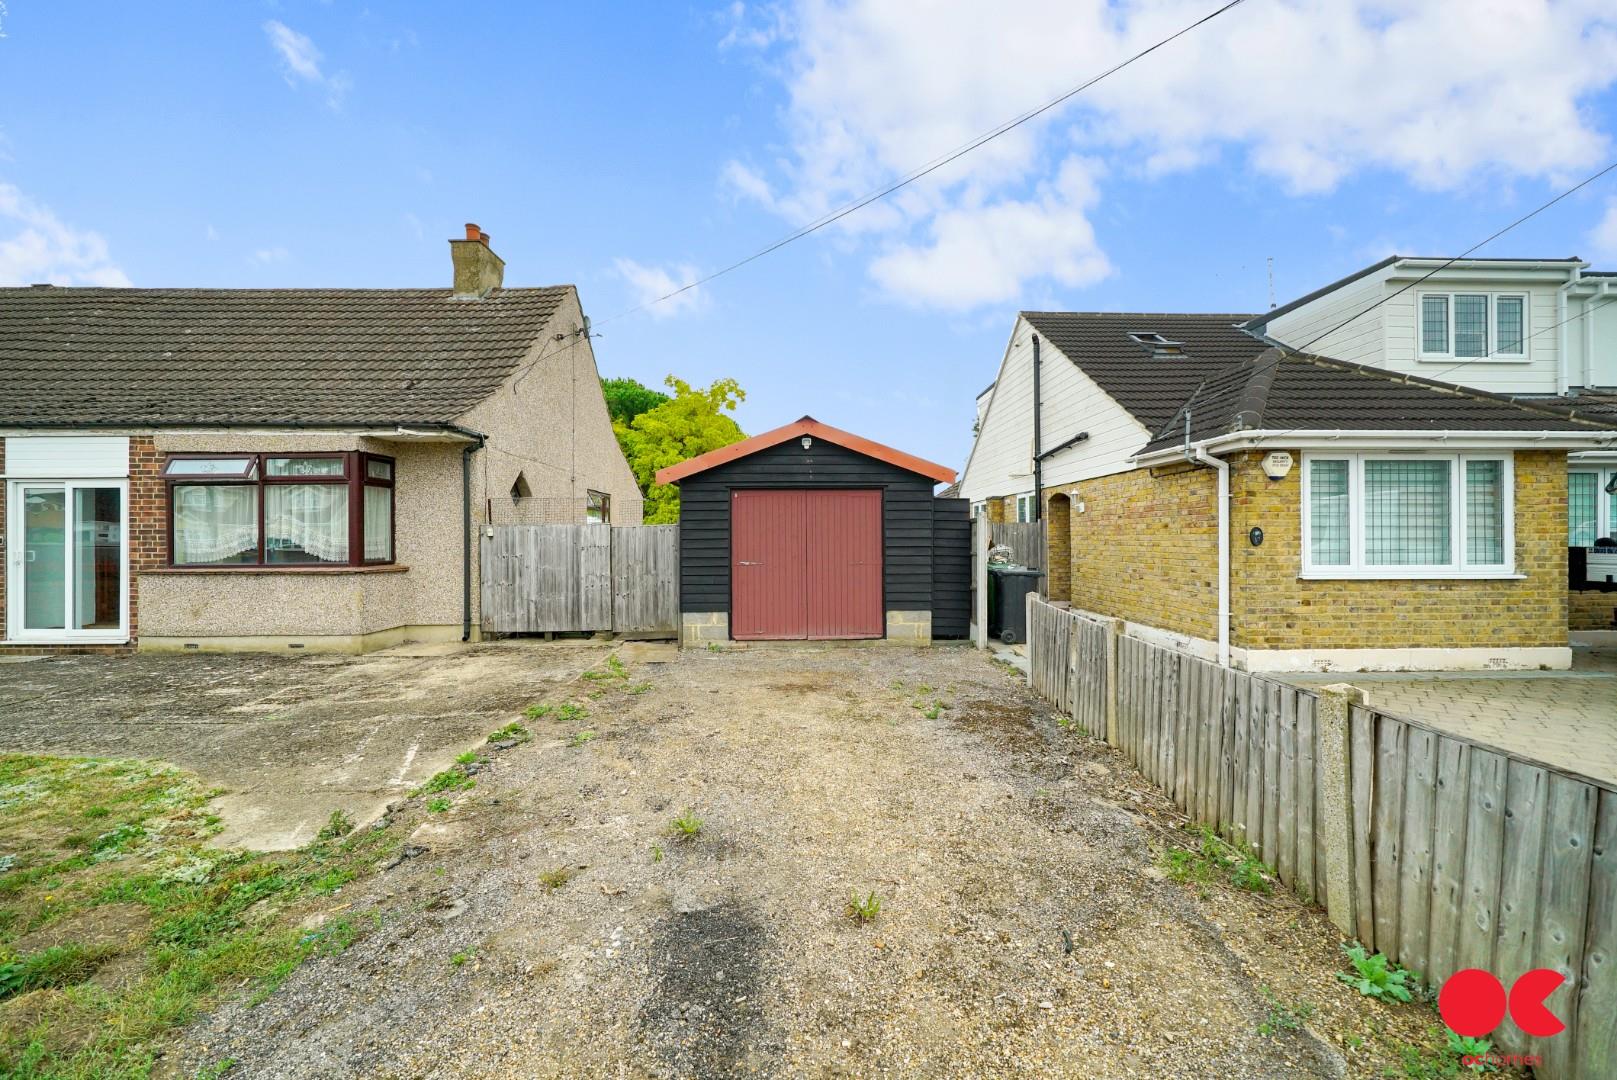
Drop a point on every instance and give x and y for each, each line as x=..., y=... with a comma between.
x=805, y=564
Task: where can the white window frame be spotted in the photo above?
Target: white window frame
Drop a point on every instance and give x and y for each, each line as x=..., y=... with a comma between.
x=1024, y=507
x=1457, y=567
x=1605, y=519
x=978, y=509
x=16, y=633
x=1491, y=355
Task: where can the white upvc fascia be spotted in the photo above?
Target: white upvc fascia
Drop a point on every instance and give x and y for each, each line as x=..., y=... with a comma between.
x=1346, y=440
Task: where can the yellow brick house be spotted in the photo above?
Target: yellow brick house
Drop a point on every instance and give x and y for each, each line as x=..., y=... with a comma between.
x=1278, y=510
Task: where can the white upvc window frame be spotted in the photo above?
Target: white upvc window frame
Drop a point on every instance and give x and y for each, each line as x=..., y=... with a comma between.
x=1457, y=567
x=1025, y=506
x=16, y=505
x=1491, y=354
x=978, y=509
x=1605, y=513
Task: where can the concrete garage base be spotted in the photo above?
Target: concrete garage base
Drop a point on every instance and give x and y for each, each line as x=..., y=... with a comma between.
x=699, y=628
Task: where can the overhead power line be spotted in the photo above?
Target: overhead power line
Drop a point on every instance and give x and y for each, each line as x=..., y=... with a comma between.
x=932, y=166
x=1450, y=262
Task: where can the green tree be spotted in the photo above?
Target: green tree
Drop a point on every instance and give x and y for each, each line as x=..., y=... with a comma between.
x=628, y=398
x=689, y=424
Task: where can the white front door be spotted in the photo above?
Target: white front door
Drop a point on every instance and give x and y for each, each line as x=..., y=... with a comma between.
x=67, y=577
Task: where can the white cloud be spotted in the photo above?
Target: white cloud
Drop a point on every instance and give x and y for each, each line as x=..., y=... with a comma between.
x=45, y=249
x=268, y=256
x=652, y=282
x=989, y=253
x=1604, y=235
x=1303, y=93
x=301, y=60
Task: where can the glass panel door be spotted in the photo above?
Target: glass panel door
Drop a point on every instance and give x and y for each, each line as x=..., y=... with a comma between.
x=97, y=557
x=68, y=559
x=44, y=565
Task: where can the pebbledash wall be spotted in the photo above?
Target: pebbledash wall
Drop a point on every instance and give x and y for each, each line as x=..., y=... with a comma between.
x=1144, y=549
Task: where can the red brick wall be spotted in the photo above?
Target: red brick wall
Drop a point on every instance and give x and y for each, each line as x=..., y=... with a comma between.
x=147, y=540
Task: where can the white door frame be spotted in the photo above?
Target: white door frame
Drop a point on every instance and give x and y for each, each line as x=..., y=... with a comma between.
x=15, y=632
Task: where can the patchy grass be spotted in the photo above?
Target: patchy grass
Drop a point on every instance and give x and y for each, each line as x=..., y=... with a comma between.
x=468, y=758
x=1283, y=1018
x=1212, y=858
x=448, y=780
x=638, y=688
x=579, y=738
x=614, y=670
x=686, y=827
x=555, y=879
x=337, y=826
x=117, y=924
x=567, y=712
x=513, y=732
x=438, y=805
x=864, y=908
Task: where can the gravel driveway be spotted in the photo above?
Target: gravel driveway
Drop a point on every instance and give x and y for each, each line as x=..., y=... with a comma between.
x=551, y=925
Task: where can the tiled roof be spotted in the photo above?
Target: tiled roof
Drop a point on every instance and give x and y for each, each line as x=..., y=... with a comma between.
x=258, y=356
x=1229, y=381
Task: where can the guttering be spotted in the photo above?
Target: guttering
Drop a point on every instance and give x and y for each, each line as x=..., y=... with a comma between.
x=377, y=428
x=1074, y=441
x=1593, y=439
x=1199, y=454
x=466, y=453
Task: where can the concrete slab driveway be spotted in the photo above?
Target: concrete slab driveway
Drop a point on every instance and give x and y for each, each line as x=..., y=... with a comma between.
x=287, y=739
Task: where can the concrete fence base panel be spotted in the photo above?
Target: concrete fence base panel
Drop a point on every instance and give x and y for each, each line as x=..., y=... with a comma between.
x=1439, y=851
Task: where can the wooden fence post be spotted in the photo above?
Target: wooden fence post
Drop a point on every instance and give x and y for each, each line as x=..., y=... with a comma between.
x=1335, y=776
x=1031, y=599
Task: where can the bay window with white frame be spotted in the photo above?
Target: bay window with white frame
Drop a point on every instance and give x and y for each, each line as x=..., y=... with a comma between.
x=1418, y=515
x=1472, y=326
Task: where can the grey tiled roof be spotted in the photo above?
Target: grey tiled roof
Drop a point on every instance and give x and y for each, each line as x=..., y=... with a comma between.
x=258, y=356
x=1230, y=381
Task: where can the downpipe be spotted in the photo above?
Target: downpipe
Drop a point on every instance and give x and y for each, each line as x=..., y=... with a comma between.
x=1199, y=454
x=466, y=453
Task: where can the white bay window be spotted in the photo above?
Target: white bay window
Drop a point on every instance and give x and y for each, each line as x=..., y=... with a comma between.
x=1407, y=515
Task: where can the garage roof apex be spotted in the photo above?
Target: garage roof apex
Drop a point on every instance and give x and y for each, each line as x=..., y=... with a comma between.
x=798, y=428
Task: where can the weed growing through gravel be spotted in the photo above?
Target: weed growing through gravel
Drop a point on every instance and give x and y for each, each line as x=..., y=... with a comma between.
x=448, y=780
x=1213, y=858
x=1459, y=1047
x=1377, y=976
x=579, y=738
x=656, y=852
x=513, y=732
x=438, y=805
x=336, y=827
x=639, y=688
x=216, y=1070
x=864, y=909
x=687, y=826
x=614, y=670
x=468, y=758
x=460, y=958
x=204, y=923
x=1283, y=1018
x=555, y=879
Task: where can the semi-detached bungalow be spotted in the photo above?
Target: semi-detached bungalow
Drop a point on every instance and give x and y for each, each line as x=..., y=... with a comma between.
x=1279, y=510
x=304, y=468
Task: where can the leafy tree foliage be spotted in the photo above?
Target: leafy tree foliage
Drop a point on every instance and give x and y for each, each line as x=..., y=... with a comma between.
x=628, y=398
x=689, y=424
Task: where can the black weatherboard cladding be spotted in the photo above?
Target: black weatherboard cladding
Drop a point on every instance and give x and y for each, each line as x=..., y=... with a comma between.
x=704, y=519
x=951, y=568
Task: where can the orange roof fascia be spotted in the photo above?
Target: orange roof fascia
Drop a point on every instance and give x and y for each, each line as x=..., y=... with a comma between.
x=798, y=428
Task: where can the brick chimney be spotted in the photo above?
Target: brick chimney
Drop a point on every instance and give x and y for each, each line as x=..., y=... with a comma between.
x=478, y=271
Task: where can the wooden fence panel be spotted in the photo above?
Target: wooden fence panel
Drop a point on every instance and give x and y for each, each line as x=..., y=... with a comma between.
x=645, y=578
x=1024, y=538
x=566, y=578
x=1463, y=855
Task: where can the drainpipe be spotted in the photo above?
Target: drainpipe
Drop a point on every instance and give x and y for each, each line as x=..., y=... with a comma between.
x=1603, y=295
x=466, y=453
x=1038, y=439
x=1201, y=455
x=1563, y=367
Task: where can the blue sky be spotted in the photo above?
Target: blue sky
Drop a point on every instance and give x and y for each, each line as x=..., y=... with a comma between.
x=622, y=146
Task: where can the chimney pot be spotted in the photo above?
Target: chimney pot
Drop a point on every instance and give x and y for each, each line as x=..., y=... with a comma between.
x=478, y=271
